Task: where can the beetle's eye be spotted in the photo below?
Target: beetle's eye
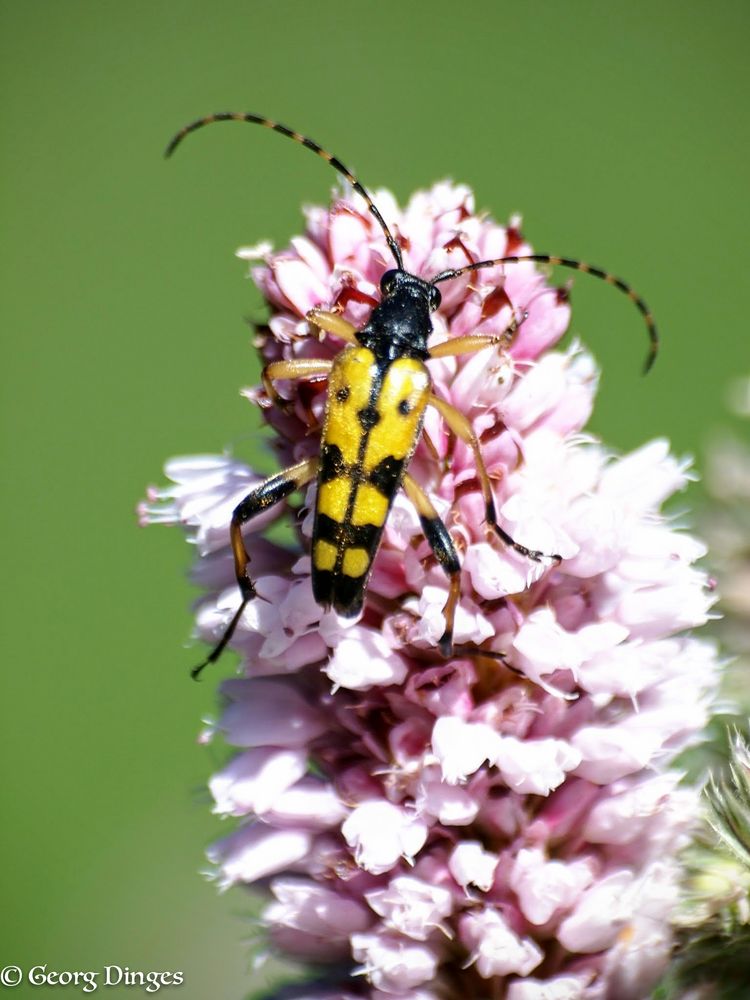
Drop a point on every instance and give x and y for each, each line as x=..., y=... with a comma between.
x=435, y=298
x=387, y=282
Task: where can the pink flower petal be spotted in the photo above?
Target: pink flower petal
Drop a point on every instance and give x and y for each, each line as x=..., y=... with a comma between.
x=535, y=766
x=268, y=713
x=364, y=660
x=381, y=834
x=470, y=864
x=392, y=963
x=546, y=887
x=493, y=946
x=253, y=852
x=600, y=914
x=411, y=907
x=462, y=747
x=253, y=781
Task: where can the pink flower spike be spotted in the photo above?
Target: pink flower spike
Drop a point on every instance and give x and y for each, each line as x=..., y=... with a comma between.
x=503, y=820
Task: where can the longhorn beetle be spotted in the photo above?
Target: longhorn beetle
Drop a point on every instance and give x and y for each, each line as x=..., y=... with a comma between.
x=378, y=389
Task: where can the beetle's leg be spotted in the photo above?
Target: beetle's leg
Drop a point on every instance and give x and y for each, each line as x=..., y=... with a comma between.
x=461, y=427
x=442, y=545
x=265, y=495
x=298, y=368
x=476, y=341
x=331, y=322
x=477, y=653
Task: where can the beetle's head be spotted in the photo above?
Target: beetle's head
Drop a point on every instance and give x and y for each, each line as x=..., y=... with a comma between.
x=400, y=283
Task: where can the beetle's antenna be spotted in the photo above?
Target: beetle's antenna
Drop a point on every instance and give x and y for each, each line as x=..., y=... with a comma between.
x=229, y=116
x=577, y=265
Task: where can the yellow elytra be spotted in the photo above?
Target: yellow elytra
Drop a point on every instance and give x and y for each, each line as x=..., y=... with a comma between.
x=374, y=414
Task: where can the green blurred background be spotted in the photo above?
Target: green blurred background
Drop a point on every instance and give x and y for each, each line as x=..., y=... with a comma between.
x=620, y=133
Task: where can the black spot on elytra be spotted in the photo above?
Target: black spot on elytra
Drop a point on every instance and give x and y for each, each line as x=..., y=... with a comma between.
x=346, y=534
x=343, y=393
x=404, y=407
x=368, y=417
x=386, y=474
x=332, y=463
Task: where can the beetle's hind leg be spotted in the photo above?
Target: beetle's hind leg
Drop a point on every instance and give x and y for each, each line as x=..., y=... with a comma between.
x=442, y=545
x=265, y=495
x=461, y=427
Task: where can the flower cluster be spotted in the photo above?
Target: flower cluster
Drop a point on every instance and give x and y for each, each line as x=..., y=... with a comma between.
x=483, y=824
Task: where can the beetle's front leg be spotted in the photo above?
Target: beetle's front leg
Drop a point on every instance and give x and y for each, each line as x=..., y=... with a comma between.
x=332, y=322
x=297, y=368
x=266, y=494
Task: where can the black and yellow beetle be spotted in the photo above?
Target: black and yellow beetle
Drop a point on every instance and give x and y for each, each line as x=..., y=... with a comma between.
x=379, y=387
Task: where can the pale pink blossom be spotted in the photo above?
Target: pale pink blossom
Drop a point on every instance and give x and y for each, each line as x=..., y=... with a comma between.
x=448, y=803
x=535, y=767
x=462, y=747
x=254, y=781
x=310, y=919
x=600, y=914
x=449, y=828
x=359, y=663
x=268, y=712
x=253, y=852
x=392, y=963
x=494, y=947
x=380, y=834
x=310, y=804
x=411, y=907
x=470, y=864
x=556, y=988
x=545, y=887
